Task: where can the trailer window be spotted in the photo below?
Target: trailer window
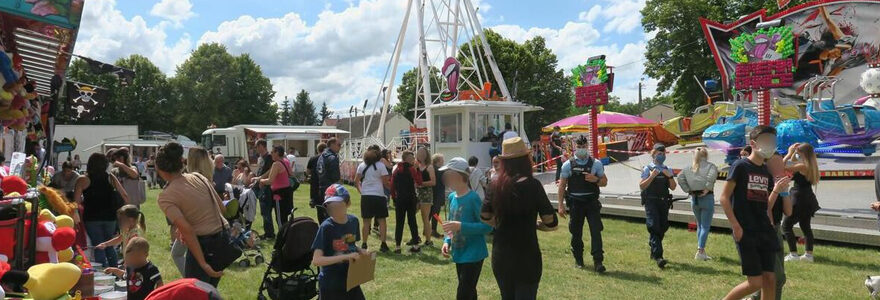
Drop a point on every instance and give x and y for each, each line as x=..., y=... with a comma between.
x=206, y=141
x=219, y=141
x=447, y=128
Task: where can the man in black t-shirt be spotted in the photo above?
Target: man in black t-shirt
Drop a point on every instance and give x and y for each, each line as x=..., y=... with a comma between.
x=748, y=193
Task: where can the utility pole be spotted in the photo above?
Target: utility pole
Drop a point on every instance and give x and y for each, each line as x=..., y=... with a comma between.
x=641, y=109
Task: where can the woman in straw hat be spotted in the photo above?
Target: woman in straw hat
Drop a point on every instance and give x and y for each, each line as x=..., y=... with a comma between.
x=516, y=200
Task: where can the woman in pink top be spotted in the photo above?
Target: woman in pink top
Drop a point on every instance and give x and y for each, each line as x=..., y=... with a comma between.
x=279, y=181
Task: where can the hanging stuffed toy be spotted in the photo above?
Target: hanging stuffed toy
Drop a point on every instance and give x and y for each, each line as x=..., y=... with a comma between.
x=43, y=281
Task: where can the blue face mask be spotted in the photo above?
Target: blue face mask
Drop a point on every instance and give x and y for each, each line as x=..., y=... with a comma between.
x=660, y=158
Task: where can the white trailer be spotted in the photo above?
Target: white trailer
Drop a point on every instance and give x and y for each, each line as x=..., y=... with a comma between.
x=237, y=142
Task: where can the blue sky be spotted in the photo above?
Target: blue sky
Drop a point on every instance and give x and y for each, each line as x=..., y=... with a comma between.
x=338, y=49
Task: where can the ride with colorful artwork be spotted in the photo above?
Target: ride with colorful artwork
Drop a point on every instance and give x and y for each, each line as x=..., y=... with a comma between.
x=797, y=56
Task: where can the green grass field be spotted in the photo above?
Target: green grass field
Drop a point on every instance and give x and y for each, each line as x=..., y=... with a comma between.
x=838, y=272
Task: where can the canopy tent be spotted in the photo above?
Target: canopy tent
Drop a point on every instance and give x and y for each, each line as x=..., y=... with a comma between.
x=641, y=132
x=606, y=119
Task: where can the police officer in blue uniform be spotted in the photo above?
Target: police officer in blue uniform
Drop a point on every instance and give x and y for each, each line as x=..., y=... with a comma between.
x=580, y=179
x=657, y=182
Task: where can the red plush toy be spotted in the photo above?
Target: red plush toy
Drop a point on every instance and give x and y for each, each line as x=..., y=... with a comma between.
x=12, y=184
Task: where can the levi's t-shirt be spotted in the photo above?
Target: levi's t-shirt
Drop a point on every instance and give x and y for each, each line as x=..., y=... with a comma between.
x=750, y=196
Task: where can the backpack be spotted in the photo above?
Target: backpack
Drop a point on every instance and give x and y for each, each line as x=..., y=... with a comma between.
x=321, y=169
x=364, y=172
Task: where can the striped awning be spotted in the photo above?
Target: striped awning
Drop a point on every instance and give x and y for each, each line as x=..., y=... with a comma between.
x=40, y=55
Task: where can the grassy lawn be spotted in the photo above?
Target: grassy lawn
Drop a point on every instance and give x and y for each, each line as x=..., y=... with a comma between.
x=838, y=272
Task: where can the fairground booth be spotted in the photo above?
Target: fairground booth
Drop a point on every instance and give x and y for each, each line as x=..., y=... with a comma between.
x=39, y=256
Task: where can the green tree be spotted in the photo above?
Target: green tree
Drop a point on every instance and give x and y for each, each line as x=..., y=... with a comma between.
x=532, y=74
x=679, y=50
x=225, y=90
x=407, y=90
x=304, y=110
x=325, y=112
x=286, y=112
x=252, y=95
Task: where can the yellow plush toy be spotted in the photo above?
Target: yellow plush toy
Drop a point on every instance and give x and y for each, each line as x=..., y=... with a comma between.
x=43, y=281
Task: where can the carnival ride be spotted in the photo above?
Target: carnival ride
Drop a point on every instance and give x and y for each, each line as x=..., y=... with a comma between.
x=460, y=93
x=690, y=129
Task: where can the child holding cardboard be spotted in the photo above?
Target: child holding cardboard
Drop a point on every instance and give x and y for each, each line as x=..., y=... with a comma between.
x=335, y=246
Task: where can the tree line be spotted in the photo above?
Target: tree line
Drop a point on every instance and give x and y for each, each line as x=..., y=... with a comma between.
x=211, y=88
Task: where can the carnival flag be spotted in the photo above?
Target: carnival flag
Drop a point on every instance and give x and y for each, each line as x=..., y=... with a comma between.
x=124, y=75
x=85, y=100
x=782, y=3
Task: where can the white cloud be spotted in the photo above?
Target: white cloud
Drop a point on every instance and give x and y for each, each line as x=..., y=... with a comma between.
x=621, y=16
x=105, y=34
x=577, y=41
x=175, y=11
x=339, y=59
x=591, y=15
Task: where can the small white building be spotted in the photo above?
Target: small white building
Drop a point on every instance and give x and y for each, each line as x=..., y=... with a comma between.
x=89, y=138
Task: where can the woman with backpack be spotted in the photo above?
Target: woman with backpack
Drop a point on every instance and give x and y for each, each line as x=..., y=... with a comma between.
x=404, y=180
x=371, y=181
x=279, y=181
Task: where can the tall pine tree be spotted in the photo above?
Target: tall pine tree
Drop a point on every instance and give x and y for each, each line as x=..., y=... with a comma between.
x=304, y=110
x=286, y=115
x=325, y=113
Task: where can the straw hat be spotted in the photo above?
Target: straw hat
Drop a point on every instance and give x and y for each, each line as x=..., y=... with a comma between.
x=513, y=148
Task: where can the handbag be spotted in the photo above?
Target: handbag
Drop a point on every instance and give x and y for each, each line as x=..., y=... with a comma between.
x=294, y=183
x=136, y=190
x=220, y=249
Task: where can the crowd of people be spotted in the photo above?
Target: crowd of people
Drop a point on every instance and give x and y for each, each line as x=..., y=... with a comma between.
x=504, y=201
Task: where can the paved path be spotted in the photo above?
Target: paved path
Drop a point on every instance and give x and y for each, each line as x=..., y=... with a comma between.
x=846, y=197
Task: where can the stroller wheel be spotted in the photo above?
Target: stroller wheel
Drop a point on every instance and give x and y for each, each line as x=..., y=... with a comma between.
x=261, y=297
x=244, y=263
x=259, y=260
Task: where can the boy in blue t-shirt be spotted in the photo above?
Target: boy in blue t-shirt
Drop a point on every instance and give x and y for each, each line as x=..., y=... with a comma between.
x=335, y=246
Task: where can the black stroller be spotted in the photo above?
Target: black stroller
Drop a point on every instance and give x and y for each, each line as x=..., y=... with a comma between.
x=289, y=274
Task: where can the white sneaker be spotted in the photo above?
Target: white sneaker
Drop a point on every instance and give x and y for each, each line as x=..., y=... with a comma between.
x=702, y=256
x=792, y=257
x=807, y=258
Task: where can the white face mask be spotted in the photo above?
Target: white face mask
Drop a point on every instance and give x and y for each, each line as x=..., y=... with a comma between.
x=766, y=150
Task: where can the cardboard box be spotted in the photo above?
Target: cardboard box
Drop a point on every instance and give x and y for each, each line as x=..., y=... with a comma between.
x=361, y=270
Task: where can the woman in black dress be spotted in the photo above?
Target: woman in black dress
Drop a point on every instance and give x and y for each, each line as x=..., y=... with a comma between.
x=517, y=200
x=805, y=174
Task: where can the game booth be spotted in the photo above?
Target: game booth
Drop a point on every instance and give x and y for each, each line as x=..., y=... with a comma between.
x=821, y=58
x=40, y=253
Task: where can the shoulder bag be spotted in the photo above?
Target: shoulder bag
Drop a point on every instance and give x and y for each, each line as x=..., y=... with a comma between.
x=220, y=250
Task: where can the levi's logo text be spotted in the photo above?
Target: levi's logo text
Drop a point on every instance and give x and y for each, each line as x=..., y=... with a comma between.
x=757, y=187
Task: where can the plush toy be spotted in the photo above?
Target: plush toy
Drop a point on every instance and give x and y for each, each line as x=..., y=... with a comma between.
x=14, y=184
x=52, y=238
x=43, y=281
x=56, y=202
